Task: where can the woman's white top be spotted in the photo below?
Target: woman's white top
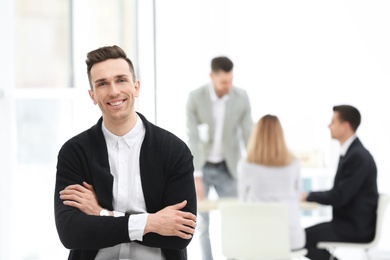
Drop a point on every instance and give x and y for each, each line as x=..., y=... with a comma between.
x=259, y=183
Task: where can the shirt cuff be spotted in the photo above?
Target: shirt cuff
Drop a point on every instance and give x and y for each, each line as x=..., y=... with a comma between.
x=137, y=223
x=198, y=173
x=118, y=214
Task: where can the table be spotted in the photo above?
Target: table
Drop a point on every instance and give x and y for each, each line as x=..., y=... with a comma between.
x=208, y=205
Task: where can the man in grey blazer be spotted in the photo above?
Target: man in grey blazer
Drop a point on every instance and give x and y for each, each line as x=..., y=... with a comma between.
x=219, y=123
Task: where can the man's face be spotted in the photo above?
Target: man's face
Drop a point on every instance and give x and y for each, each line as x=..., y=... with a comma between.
x=222, y=82
x=114, y=89
x=338, y=128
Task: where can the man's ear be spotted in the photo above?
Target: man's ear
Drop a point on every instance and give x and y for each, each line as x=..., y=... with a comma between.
x=347, y=127
x=92, y=96
x=137, y=88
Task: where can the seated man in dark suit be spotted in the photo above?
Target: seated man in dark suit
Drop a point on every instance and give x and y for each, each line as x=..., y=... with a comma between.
x=354, y=195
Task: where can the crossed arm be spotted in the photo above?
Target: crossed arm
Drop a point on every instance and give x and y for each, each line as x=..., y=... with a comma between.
x=170, y=221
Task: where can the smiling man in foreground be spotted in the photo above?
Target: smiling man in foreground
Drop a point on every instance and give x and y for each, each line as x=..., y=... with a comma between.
x=124, y=187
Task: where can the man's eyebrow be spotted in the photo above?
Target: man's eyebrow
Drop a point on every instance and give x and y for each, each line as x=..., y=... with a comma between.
x=117, y=77
x=100, y=80
x=122, y=76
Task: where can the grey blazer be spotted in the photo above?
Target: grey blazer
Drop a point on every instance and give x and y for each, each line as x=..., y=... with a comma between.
x=200, y=126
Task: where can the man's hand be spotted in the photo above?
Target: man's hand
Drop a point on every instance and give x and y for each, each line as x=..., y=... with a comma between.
x=199, y=188
x=81, y=197
x=304, y=196
x=171, y=221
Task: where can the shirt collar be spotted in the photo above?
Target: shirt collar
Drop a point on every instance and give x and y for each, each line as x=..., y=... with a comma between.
x=112, y=139
x=214, y=96
x=344, y=147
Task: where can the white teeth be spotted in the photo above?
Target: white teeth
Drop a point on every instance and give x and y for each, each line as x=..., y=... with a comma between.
x=116, y=103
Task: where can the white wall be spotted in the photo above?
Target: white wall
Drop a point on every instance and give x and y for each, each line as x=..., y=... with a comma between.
x=296, y=59
x=37, y=121
x=6, y=133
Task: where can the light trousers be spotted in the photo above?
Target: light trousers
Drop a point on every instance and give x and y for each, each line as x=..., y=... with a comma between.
x=225, y=186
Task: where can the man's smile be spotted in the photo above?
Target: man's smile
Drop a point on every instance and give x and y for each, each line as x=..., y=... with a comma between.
x=116, y=103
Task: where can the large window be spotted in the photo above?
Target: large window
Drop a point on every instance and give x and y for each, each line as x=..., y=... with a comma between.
x=49, y=103
x=42, y=44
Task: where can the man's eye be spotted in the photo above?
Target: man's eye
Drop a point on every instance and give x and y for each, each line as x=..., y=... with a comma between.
x=102, y=84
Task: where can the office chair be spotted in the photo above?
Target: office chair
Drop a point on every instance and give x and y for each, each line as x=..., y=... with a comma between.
x=256, y=231
x=382, y=205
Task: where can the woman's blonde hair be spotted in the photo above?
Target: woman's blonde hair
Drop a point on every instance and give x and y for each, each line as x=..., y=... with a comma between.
x=266, y=144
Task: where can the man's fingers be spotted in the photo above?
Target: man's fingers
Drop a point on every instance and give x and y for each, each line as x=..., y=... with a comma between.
x=71, y=203
x=74, y=195
x=186, y=224
x=184, y=235
x=188, y=215
x=179, y=205
x=187, y=230
x=71, y=197
x=189, y=223
x=76, y=187
x=88, y=186
x=71, y=192
x=171, y=221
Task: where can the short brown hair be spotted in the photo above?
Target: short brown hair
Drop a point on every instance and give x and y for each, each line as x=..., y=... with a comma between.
x=349, y=114
x=221, y=63
x=106, y=53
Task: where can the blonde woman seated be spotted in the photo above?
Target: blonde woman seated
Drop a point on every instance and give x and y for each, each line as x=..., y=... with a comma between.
x=271, y=173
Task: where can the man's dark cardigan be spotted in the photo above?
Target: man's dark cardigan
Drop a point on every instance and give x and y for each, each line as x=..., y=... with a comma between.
x=166, y=168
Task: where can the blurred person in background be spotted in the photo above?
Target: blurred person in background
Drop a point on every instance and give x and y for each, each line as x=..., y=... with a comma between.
x=271, y=173
x=218, y=127
x=354, y=195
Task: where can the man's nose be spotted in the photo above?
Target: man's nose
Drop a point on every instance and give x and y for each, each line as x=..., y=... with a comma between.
x=114, y=90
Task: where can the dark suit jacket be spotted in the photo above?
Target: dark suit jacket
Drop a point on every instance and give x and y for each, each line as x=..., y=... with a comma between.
x=166, y=166
x=354, y=196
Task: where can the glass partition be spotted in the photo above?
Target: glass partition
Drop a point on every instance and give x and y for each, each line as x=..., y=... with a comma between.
x=50, y=103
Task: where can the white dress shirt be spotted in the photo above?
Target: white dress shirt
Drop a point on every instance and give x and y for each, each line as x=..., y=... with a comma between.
x=219, y=107
x=344, y=147
x=123, y=156
x=218, y=110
